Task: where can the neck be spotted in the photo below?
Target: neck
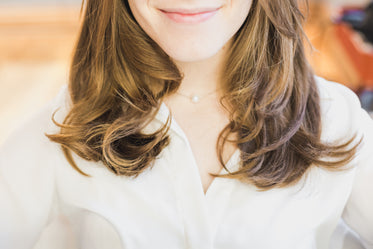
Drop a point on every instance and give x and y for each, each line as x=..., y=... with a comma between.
x=201, y=77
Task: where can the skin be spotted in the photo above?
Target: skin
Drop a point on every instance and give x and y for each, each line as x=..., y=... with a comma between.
x=198, y=49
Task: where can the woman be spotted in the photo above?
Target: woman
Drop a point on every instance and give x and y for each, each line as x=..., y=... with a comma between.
x=190, y=124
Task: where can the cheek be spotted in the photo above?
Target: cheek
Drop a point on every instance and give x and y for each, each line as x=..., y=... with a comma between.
x=145, y=16
x=141, y=12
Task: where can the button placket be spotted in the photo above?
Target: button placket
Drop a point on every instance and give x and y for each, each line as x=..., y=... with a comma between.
x=220, y=192
x=201, y=213
x=192, y=201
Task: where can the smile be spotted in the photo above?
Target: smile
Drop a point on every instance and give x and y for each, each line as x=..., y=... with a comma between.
x=189, y=16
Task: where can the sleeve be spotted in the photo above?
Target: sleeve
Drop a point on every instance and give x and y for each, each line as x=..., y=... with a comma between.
x=27, y=189
x=358, y=212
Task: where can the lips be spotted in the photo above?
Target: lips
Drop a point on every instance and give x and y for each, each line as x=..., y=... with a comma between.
x=190, y=16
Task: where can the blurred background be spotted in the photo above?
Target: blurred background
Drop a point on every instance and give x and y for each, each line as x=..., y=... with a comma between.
x=37, y=38
x=36, y=42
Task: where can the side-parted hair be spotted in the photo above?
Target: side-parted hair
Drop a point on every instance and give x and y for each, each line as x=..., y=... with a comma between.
x=119, y=76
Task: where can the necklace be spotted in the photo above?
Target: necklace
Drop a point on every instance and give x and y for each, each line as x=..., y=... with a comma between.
x=194, y=98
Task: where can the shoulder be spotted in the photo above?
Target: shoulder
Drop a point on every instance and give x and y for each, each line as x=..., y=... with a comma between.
x=342, y=118
x=28, y=176
x=333, y=93
x=341, y=112
x=28, y=143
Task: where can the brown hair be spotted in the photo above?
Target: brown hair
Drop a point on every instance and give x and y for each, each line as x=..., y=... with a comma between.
x=119, y=76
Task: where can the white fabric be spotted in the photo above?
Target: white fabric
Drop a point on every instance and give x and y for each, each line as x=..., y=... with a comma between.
x=46, y=204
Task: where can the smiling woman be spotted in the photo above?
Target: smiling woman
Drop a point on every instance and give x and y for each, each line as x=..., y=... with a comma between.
x=190, y=124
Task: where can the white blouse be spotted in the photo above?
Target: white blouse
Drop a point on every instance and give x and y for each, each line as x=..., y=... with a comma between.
x=46, y=204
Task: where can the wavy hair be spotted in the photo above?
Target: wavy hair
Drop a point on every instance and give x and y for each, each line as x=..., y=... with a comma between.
x=119, y=76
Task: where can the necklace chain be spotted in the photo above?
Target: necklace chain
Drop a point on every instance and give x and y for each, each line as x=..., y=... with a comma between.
x=195, y=98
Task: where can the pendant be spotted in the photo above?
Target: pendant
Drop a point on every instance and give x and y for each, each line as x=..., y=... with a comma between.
x=194, y=99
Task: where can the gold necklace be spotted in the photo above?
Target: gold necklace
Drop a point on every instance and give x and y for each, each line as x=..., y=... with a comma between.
x=194, y=98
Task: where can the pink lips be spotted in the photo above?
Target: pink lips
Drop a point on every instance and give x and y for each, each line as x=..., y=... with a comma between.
x=190, y=16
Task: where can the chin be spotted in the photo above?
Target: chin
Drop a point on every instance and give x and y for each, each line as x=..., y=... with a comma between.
x=192, y=54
